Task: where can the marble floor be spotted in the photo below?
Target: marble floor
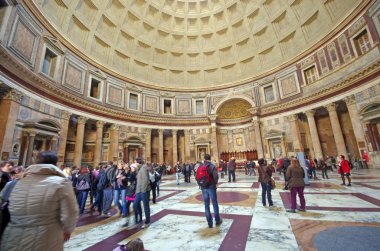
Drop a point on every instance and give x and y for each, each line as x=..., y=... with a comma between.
x=178, y=222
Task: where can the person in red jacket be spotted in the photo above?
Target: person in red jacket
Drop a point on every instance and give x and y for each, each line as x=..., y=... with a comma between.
x=344, y=170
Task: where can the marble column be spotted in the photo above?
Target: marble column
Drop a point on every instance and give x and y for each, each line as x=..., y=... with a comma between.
x=79, y=141
x=53, y=144
x=214, y=139
x=187, y=145
x=160, y=146
x=293, y=120
x=9, y=110
x=314, y=134
x=148, y=144
x=337, y=130
x=356, y=124
x=175, y=146
x=259, y=144
x=98, y=142
x=214, y=145
x=114, y=143
x=65, y=120
x=32, y=136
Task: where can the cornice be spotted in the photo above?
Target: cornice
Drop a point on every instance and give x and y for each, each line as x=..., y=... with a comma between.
x=369, y=72
x=49, y=90
x=34, y=9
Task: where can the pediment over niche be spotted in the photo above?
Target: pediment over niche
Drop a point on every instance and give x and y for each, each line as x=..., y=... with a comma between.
x=53, y=42
x=201, y=141
x=274, y=134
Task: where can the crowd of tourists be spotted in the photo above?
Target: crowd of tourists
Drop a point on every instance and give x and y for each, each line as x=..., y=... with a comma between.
x=46, y=200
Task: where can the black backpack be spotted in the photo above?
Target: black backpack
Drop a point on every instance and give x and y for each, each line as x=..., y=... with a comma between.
x=102, y=181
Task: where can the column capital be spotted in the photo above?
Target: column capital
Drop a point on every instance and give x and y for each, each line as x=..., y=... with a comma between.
x=32, y=134
x=310, y=113
x=14, y=95
x=256, y=123
x=350, y=100
x=160, y=131
x=187, y=131
x=212, y=118
x=292, y=118
x=115, y=127
x=82, y=120
x=174, y=131
x=65, y=115
x=254, y=111
x=100, y=124
x=148, y=130
x=331, y=107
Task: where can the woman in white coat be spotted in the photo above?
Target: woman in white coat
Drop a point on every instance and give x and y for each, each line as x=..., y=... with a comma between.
x=43, y=208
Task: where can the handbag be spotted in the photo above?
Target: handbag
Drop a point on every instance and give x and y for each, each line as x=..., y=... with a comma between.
x=82, y=185
x=272, y=183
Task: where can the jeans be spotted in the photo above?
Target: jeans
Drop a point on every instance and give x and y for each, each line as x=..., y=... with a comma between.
x=123, y=206
x=137, y=204
x=153, y=187
x=210, y=193
x=324, y=173
x=98, y=200
x=158, y=187
x=81, y=199
x=107, y=199
x=231, y=173
x=252, y=170
x=187, y=176
x=177, y=177
x=266, y=191
x=293, y=197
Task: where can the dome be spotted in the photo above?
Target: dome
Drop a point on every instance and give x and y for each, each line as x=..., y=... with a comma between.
x=194, y=44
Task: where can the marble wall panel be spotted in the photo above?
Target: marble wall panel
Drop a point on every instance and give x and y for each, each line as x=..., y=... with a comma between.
x=151, y=103
x=288, y=85
x=115, y=95
x=73, y=76
x=183, y=106
x=24, y=37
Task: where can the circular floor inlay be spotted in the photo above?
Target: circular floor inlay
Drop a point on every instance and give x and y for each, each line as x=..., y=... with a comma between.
x=348, y=238
x=227, y=197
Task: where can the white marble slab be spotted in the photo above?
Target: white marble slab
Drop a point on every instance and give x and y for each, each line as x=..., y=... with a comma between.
x=182, y=232
x=334, y=200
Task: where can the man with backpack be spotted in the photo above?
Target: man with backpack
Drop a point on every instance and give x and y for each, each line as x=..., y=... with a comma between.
x=101, y=183
x=207, y=178
x=187, y=172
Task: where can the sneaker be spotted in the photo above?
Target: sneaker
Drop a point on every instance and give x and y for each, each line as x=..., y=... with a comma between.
x=349, y=185
x=125, y=224
x=302, y=210
x=145, y=225
x=210, y=225
x=343, y=184
x=219, y=222
x=291, y=211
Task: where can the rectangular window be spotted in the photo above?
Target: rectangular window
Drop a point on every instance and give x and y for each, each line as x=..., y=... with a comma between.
x=167, y=106
x=133, y=101
x=49, y=63
x=362, y=43
x=310, y=75
x=269, y=93
x=95, y=88
x=199, y=107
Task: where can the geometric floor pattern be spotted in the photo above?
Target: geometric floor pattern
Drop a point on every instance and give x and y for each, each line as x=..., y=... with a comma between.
x=178, y=221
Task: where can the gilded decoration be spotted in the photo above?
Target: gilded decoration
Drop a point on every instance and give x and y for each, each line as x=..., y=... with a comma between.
x=234, y=109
